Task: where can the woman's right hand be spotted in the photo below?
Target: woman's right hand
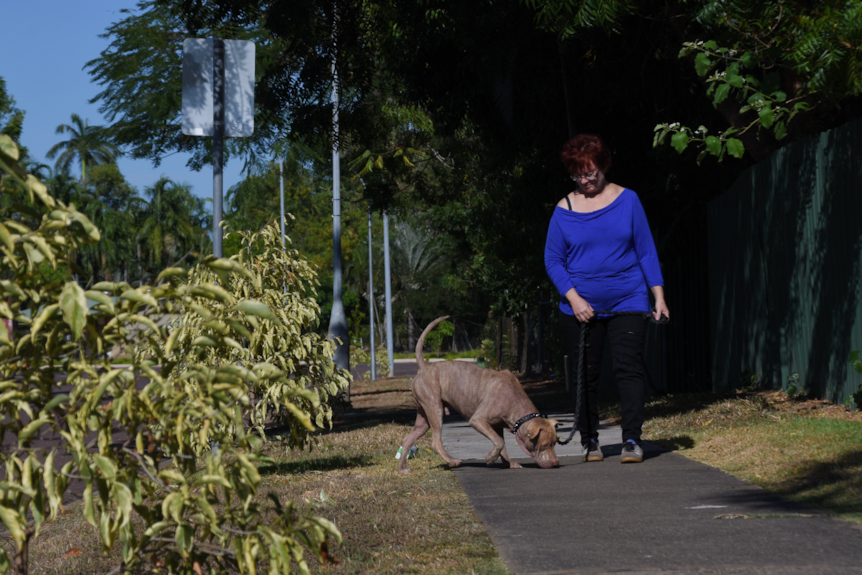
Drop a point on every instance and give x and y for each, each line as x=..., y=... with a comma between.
x=583, y=310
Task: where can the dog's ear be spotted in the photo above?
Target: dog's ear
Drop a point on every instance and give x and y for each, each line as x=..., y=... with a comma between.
x=533, y=430
x=555, y=423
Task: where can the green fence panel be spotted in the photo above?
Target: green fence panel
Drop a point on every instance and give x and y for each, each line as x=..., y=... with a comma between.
x=785, y=260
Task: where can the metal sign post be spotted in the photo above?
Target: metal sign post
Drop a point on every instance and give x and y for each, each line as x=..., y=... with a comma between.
x=218, y=101
x=218, y=143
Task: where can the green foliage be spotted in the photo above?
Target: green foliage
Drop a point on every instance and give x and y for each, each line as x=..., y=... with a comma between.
x=11, y=118
x=435, y=338
x=489, y=352
x=381, y=357
x=768, y=63
x=856, y=361
x=566, y=17
x=226, y=351
x=793, y=388
x=88, y=144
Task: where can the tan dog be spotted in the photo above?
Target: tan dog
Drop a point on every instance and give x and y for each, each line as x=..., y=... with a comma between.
x=491, y=400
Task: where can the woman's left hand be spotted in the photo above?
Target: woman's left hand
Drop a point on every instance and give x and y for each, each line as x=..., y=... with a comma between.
x=661, y=310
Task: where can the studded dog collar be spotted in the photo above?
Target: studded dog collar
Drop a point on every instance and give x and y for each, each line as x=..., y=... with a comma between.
x=524, y=420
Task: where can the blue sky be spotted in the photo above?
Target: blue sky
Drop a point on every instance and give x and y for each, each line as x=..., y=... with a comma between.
x=47, y=43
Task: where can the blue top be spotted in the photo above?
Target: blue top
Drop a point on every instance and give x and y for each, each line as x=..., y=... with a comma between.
x=608, y=256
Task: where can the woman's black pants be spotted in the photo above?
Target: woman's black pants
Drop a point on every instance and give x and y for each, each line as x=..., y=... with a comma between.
x=626, y=334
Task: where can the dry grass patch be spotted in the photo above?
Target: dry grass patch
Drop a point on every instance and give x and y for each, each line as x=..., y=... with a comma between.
x=806, y=450
x=391, y=524
x=385, y=394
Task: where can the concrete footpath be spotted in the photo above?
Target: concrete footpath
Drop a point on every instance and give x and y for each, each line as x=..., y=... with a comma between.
x=667, y=515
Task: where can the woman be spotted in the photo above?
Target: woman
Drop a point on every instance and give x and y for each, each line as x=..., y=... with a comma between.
x=601, y=256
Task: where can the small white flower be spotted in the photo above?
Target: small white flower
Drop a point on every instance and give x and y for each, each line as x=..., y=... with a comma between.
x=732, y=52
x=700, y=43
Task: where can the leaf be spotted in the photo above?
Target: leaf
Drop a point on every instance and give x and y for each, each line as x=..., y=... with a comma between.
x=101, y=298
x=256, y=308
x=57, y=400
x=89, y=511
x=8, y=147
x=172, y=507
x=123, y=499
x=734, y=80
x=721, y=94
x=679, y=141
x=12, y=520
x=108, y=466
x=139, y=297
x=43, y=316
x=211, y=480
x=780, y=130
x=212, y=291
x=735, y=148
x=30, y=429
x=702, y=64
x=107, y=286
x=713, y=145
x=40, y=190
x=767, y=117
x=171, y=272
x=749, y=60
x=6, y=238
x=73, y=302
x=700, y=157
x=73, y=552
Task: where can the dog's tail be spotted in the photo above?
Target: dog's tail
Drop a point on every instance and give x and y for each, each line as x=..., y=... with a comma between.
x=419, y=359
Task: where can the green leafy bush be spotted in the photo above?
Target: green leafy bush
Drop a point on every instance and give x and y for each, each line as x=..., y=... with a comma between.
x=381, y=356
x=225, y=351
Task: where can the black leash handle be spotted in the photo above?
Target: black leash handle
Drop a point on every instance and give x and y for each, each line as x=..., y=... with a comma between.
x=579, y=389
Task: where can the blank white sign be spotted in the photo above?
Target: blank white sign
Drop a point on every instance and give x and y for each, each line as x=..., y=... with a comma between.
x=198, y=87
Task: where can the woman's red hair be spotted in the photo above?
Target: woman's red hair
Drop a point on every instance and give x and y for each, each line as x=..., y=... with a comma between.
x=583, y=150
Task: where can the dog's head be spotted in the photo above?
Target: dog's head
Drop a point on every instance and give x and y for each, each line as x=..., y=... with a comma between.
x=538, y=438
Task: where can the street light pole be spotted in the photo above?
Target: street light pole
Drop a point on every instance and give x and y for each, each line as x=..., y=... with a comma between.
x=338, y=319
x=387, y=280
x=371, y=301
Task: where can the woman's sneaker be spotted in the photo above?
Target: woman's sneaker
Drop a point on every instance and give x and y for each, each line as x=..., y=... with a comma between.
x=632, y=452
x=592, y=451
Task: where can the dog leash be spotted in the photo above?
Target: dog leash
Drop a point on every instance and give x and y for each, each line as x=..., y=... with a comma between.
x=581, y=345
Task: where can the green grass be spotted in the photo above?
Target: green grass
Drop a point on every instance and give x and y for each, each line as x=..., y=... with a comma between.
x=806, y=451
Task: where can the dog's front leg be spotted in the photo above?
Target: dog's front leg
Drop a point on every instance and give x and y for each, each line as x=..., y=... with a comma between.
x=501, y=431
x=486, y=429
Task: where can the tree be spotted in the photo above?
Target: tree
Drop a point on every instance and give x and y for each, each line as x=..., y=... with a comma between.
x=115, y=208
x=170, y=222
x=87, y=144
x=502, y=85
x=11, y=117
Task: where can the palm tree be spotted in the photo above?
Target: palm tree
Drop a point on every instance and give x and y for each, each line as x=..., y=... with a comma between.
x=417, y=259
x=89, y=144
x=171, y=221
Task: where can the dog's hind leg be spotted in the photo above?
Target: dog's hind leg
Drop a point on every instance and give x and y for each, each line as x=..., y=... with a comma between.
x=437, y=438
x=486, y=429
x=512, y=464
x=420, y=428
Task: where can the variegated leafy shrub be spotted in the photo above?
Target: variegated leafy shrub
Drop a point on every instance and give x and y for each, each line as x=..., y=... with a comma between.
x=168, y=463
